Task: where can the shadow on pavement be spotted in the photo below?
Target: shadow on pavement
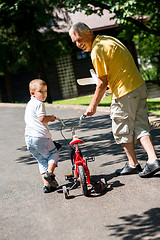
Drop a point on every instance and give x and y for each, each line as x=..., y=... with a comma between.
x=27, y=159
x=95, y=122
x=144, y=226
x=99, y=141
x=95, y=179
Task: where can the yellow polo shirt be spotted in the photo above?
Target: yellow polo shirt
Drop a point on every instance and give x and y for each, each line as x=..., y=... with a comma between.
x=110, y=57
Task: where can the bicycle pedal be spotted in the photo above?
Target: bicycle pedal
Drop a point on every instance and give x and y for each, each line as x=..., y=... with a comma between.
x=68, y=176
x=90, y=159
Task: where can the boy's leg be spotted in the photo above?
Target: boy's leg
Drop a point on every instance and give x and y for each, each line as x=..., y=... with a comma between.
x=48, y=155
x=52, y=163
x=51, y=167
x=36, y=149
x=52, y=155
x=42, y=163
x=50, y=178
x=47, y=188
x=46, y=183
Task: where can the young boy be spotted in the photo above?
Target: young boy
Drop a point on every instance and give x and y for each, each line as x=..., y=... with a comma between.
x=37, y=135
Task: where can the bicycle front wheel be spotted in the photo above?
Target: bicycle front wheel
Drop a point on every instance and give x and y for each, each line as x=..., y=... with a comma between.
x=83, y=182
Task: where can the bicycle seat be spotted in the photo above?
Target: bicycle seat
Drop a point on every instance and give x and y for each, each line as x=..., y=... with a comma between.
x=76, y=140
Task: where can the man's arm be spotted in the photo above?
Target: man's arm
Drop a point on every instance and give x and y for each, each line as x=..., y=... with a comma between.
x=99, y=93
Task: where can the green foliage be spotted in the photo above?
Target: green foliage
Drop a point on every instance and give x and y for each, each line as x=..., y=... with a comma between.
x=133, y=11
x=154, y=106
x=138, y=21
x=26, y=33
x=148, y=51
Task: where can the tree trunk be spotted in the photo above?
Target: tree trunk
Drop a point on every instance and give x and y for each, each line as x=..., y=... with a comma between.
x=132, y=49
x=158, y=68
x=43, y=75
x=0, y=94
x=8, y=84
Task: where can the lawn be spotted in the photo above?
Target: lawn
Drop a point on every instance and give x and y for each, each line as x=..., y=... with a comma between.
x=85, y=100
x=153, y=104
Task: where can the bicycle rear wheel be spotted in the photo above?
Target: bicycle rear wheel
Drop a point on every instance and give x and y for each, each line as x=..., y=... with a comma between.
x=83, y=182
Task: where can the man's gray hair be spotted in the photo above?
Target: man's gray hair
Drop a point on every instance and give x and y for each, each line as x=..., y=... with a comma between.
x=79, y=27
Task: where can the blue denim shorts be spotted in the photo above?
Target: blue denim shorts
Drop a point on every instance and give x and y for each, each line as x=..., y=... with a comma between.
x=43, y=150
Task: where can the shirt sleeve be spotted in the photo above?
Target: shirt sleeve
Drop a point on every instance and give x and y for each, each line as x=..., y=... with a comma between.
x=40, y=110
x=99, y=62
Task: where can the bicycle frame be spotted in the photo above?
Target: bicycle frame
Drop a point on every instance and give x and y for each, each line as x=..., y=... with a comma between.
x=78, y=160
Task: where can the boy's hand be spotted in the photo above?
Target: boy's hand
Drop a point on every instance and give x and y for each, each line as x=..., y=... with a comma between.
x=53, y=118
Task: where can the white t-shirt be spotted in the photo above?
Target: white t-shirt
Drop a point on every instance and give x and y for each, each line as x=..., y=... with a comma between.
x=34, y=127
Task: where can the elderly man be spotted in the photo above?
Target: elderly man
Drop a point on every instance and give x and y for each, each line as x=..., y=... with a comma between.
x=115, y=67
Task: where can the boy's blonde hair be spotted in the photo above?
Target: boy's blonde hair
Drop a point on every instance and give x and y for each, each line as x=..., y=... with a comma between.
x=36, y=82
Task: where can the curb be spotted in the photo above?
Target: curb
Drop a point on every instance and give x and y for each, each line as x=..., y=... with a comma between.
x=154, y=119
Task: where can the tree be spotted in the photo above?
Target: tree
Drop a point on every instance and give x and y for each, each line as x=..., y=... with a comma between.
x=26, y=34
x=133, y=11
x=29, y=30
x=138, y=20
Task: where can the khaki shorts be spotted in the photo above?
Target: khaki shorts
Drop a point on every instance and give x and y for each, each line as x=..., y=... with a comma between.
x=129, y=116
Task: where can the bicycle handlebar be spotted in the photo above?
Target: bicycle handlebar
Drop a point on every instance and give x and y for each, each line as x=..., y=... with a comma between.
x=64, y=121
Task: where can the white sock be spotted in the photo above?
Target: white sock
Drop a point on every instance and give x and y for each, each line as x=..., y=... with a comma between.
x=131, y=166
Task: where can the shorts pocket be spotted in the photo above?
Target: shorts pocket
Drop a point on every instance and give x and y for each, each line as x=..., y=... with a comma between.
x=120, y=123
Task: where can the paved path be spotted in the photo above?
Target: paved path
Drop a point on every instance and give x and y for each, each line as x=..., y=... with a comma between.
x=130, y=209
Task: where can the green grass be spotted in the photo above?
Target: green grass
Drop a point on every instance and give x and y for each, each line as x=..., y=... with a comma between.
x=83, y=101
x=153, y=104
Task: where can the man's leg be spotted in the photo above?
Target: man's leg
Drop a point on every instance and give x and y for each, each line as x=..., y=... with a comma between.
x=133, y=167
x=149, y=148
x=153, y=164
x=124, y=115
x=129, y=150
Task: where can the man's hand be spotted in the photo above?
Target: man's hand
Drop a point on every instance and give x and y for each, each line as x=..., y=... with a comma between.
x=90, y=110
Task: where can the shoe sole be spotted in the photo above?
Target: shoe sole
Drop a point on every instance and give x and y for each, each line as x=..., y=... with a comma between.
x=127, y=173
x=123, y=174
x=51, y=190
x=150, y=174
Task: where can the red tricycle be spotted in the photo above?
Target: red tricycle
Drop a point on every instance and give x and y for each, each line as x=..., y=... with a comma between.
x=80, y=171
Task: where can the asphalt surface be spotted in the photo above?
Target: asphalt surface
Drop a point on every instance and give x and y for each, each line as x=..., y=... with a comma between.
x=128, y=209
